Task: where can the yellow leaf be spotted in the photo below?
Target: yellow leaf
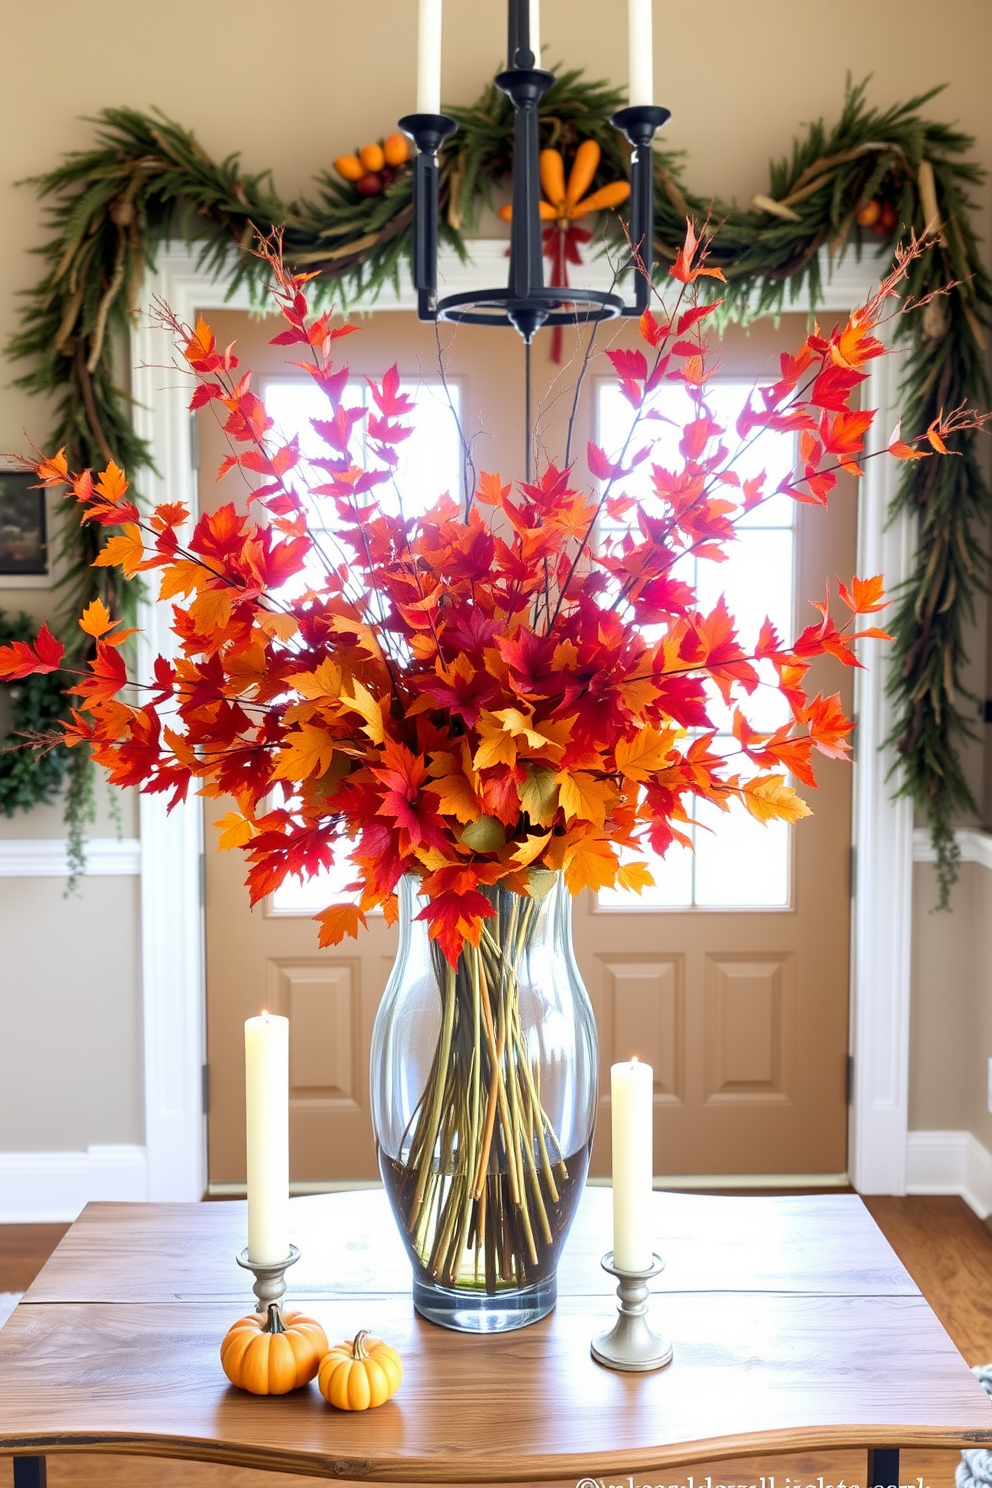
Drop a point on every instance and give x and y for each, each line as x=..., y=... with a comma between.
x=364, y=703
x=125, y=549
x=307, y=752
x=539, y=796
x=768, y=798
x=324, y=682
x=235, y=831
x=95, y=619
x=517, y=723
x=497, y=747
x=282, y=627
x=583, y=796
x=635, y=877
x=640, y=757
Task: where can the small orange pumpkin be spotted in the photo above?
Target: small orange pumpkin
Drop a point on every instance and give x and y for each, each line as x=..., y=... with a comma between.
x=359, y=1373
x=274, y=1354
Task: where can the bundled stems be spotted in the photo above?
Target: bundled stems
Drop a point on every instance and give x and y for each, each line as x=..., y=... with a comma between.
x=482, y=1169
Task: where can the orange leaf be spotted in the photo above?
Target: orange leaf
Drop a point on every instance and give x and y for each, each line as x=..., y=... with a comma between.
x=111, y=484
x=95, y=619
x=125, y=549
x=53, y=471
x=590, y=864
x=337, y=921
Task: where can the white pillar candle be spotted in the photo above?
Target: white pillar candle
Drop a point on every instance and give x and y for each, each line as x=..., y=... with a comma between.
x=640, y=89
x=267, y=1111
x=535, y=30
x=429, y=58
x=632, y=1110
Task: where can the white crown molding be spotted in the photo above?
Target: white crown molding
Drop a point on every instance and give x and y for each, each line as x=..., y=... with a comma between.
x=52, y=1187
x=47, y=857
x=950, y=1162
x=975, y=846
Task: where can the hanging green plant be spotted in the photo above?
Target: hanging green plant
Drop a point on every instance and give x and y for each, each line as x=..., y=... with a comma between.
x=872, y=178
x=32, y=706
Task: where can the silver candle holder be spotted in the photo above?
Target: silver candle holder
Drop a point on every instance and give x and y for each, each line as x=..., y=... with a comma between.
x=631, y=1344
x=270, y=1281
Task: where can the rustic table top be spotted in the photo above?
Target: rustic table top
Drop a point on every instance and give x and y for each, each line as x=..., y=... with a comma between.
x=794, y=1325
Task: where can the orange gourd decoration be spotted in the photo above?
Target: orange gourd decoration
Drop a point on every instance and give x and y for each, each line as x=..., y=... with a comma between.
x=360, y=1373
x=274, y=1354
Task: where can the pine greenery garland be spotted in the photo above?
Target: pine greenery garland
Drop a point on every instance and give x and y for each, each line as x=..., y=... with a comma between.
x=146, y=180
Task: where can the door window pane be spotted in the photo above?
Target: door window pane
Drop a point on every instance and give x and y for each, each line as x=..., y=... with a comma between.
x=737, y=863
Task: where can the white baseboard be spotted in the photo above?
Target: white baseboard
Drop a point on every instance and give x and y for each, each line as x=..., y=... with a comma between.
x=52, y=1187
x=975, y=845
x=950, y=1162
x=46, y=857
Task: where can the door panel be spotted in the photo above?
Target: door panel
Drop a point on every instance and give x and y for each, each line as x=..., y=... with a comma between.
x=742, y=1014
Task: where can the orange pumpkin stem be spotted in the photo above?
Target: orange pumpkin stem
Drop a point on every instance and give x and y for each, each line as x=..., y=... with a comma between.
x=358, y=1349
x=274, y=1323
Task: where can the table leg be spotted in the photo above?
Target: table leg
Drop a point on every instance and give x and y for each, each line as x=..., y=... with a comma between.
x=883, y=1467
x=30, y=1472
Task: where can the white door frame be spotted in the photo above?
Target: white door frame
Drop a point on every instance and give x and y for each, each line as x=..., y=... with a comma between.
x=172, y=845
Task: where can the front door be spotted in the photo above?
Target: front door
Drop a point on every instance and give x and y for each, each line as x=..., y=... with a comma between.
x=730, y=977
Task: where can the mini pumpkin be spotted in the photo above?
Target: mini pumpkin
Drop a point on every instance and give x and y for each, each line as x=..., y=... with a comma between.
x=272, y=1355
x=360, y=1373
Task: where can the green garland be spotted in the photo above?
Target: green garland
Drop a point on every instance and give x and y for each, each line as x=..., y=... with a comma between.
x=147, y=179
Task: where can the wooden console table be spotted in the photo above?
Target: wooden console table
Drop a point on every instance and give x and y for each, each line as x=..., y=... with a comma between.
x=795, y=1327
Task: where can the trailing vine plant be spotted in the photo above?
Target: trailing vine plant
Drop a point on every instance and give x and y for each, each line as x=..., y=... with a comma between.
x=874, y=177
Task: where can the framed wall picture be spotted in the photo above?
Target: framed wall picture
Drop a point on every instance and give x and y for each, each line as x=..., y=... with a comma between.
x=23, y=530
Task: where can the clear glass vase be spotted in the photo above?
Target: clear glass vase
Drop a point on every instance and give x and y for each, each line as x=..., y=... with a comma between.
x=484, y=1087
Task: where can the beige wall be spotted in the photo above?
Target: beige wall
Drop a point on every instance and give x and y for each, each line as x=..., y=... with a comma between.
x=291, y=87
x=951, y=1028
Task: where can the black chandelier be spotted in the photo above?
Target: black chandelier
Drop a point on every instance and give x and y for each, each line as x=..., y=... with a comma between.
x=527, y=303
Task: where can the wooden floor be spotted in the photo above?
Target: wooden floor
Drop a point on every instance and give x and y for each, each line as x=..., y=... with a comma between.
x=944, y=1246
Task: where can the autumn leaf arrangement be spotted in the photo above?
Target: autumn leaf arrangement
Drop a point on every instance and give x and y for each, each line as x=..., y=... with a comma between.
x=482, y=696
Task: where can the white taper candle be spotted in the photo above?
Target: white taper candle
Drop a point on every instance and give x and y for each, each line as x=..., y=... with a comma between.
x=429, y=58
x=267, y=1133
x=632, y=1111
x=534, y=9
x=640, y=89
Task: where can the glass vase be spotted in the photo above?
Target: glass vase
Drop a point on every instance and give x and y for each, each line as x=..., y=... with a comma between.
x=484, y=1089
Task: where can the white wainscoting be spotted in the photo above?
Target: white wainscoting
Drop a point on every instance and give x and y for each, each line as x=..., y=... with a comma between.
x=52, y=1187
x=47, y=857
x=950, y=1162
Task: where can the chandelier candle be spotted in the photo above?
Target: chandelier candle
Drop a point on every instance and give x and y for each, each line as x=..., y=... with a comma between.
x=640, y=86
x=267, y=1134
x=429, y=58
x=632, y=1110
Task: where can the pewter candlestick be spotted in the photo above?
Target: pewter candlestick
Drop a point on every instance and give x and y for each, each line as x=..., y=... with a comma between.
x=270, y=1281
x=631, y=1344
